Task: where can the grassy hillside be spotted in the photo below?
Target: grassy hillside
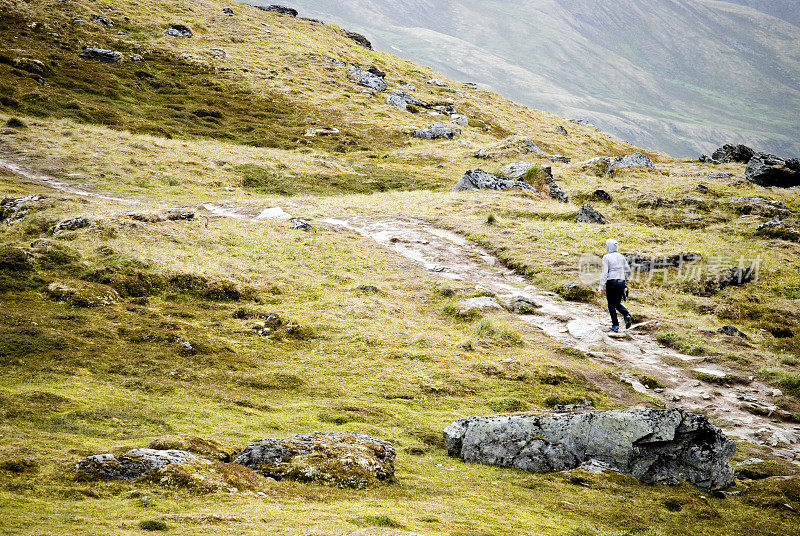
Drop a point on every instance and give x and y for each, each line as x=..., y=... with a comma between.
x=181, y=128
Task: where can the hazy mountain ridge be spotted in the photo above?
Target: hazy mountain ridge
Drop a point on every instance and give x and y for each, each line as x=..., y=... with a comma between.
x=730, y=72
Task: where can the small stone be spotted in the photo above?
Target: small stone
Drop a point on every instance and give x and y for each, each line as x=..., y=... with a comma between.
x=99, y=19
x=228, y=11
x=301, y=225
x=775, y=393
x=437, y=82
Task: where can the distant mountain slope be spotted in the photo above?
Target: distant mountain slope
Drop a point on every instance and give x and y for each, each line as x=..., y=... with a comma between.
x=678, y=76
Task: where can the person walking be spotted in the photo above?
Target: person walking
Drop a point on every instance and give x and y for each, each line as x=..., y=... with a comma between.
x=615, y=272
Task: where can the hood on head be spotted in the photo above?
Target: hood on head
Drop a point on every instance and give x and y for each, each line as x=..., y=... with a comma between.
x=611, y=245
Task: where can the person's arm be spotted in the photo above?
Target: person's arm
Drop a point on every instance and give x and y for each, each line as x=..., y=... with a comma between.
x=603, y=275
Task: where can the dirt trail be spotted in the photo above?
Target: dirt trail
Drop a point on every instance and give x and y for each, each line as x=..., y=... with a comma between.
x=582, y=326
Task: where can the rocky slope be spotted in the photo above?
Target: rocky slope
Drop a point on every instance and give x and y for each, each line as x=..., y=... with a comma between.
x=679, y=77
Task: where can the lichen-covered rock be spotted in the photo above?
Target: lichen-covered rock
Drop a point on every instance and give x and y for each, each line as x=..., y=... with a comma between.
x=481, y=303
x=770, y=170
x=760, y=206
x=435, y=131
x=649, y=200
x=72, y=224
x=778, y=229
x=101, y=54
x=207, y=448
x=343, y=459
x=523, y=305
x=179, y=30
x=133, y=464
x=587, y=214
x=653, y=445
x=408, y=98
x=477, y=179
x=630, y=160
x=366, y=78
x=397, y=102
x=82, y=293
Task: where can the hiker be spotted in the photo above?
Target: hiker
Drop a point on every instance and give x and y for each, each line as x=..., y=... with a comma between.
x=615, y=271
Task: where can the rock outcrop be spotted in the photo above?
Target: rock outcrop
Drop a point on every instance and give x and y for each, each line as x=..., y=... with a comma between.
x=82, y=293
x=179, y=30
x=435, y=131
x=343, y=459
x=587, y=214
x=733, y=153
x=770, y=170
x=653, y=445
x=133, y=464
x=279, y=9
x=630, y=160
x=101, y=54
x=477, y=179
x=360, y=39
x=518, y=170
x=515, y=146
x=366, y=78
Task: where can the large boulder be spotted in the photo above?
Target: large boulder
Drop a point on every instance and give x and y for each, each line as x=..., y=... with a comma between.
x=366, y=78
x=587, y=214
x=343, y=459
x=133, y=464
x=733, y=153
x=408, y=98
x=770, y=170
x=542, y=178
x=630, y=160
x=653, y=445
x=477, y=179
x=360, y=39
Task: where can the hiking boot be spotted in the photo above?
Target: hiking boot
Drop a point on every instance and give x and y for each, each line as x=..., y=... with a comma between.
x=615, y=329
x=628, y=322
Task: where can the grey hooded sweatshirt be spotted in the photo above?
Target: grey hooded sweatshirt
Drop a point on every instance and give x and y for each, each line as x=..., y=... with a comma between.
x=615, y=266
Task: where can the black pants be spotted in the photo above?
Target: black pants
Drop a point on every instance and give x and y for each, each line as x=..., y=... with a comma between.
x=615, y=288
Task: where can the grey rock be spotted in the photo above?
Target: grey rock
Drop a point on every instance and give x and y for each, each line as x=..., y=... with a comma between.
x=343, y=459
x=778, y=229
x=769, y=225
x=516, y=170
x=707, y=159
x=461, y=120
x=133, y=464
x=396, y=101
x=301, y=225
x=759, y=201
x=72, y=224
x=99, y=19
x=630, y=160
x=360, y=39
x=770, y=170
x=435, y=131
x=586, y=214
x=228, y=11
x=218, y=53
x=733, y=331
x=409, y=98
x=478, y=179
x=653, y=445
x=561, y=130
x=649, y=200
x=601, y=195
x=366, y=78
x=101, y=54
x=559, y=158
x=437, y=82
x=720, y=176
x=279, y=9
x=334, y=61
x=368, y=288
x=523, y=305
x=556, y=192
x=179, y=30
x=733, y=153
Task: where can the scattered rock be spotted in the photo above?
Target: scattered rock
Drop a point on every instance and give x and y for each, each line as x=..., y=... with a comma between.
x=101, y=54
x=334, y=61
x=759, y=205
x=99, y=19
x=481, y=303
x=461, y=120
x=630, y=160
x=733, y=153
x=207, y=448
x=437, y=82
x=366, y=78
x=72, y=224
x=11, y=207
x=343, y=459
x=82, y=293
x=561, y=130
x=134, y=464
x=732, y=331
x=655, y=446
x=178, y=30
x=360, y=39
x=770, y=170
x=778, y=229
x=408, y=98
x=372, y=289
x=436, y=131
x=586, y=214
x=719, y=176
x=523, y=305
x=397, y=101
x=301, y=225
x=516, y=170
x=228, y=11
x=601, y=195
x=218, y=53
x=320, y=131
x=279, y=9
x=478, y=179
